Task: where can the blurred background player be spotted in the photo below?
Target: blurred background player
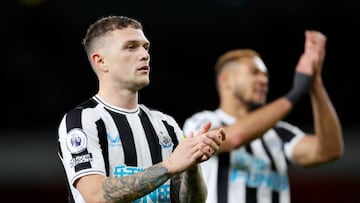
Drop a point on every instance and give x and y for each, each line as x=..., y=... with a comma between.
x=252, y=164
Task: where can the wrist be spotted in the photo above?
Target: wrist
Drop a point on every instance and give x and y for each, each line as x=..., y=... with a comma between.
x=301, y=86
x=169, y=166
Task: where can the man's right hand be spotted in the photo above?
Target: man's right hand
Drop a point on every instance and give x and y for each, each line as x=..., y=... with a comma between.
x=195, y=149
x=316, y=45
x=312, y=59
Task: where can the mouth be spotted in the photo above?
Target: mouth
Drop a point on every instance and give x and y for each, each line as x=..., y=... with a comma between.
x=264, y=92
x=261, y=93
x=144, y=68
x=261, y=90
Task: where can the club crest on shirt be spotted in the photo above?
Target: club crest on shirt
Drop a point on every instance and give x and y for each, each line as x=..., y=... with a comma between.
x=76, y=141
x=164, y=140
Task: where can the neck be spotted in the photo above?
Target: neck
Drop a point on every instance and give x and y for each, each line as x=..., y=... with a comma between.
x=234, y=108
x=121, y=98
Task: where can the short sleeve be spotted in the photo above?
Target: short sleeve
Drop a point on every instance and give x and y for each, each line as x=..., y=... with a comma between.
x=290, y=135
x=197, y=120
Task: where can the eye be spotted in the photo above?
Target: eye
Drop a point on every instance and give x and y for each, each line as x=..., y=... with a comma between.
x=254, y=70
x=131, y=47
x=147, y=46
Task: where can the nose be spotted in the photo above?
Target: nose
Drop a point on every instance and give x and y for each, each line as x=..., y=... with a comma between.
x=145, y=54
x=263, y=78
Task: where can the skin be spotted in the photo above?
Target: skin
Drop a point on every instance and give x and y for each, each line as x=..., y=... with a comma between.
x=121, y=63
x=242, y=82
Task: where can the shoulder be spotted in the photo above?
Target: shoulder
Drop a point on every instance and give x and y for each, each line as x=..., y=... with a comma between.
x=288, y=131
x=195, y=121
x=201, y=116
x=88, y=104
x=75, y=119
x=160, y=120
x=156, y=114
x=76, y=112
x=289, y=127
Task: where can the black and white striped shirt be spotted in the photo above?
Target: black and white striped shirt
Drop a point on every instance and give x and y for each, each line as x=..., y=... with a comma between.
x=97, y=138
x=255, y=173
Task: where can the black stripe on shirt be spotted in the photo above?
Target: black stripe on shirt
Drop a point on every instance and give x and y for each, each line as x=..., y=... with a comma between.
x=275, y=194
x=286, y=136
x=152, y=138
x=250, y=194
x=127, y=138
x=223, y=177
x=103, y=141
x=172, y=133
x=248, y=149
x=73, y=120
x=272, y=165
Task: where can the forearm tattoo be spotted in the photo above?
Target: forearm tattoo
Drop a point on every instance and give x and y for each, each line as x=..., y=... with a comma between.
x=193, y=188
x=130, y=188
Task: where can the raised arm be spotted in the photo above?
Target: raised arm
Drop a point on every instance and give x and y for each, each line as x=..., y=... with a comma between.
x=327, y=143
x=255, y=123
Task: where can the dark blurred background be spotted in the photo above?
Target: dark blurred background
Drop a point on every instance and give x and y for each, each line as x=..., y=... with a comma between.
x=45, y=73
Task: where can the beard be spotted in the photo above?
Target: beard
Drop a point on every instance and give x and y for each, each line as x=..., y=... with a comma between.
x=254, y=105
x=250, y=103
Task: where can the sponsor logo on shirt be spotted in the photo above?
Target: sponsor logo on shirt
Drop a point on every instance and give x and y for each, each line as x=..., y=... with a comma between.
x=80, y=159
x=114, y=140
x=160, y=195
x=256, y=173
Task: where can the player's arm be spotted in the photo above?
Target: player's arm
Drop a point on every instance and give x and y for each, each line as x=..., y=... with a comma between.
x=186, y=156
x=98, y=188
x=327, y=143
x=257, y=122
x=193, y=188
x=189, y=186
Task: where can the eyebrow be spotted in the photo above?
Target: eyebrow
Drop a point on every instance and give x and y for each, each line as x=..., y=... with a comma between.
x=137, y=42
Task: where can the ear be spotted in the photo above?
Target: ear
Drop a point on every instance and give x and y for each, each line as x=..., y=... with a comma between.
x=99, y=62
x=223, y=78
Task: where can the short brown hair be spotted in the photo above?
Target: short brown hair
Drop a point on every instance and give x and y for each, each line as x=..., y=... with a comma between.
x=105, y=25
x=233, y=55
